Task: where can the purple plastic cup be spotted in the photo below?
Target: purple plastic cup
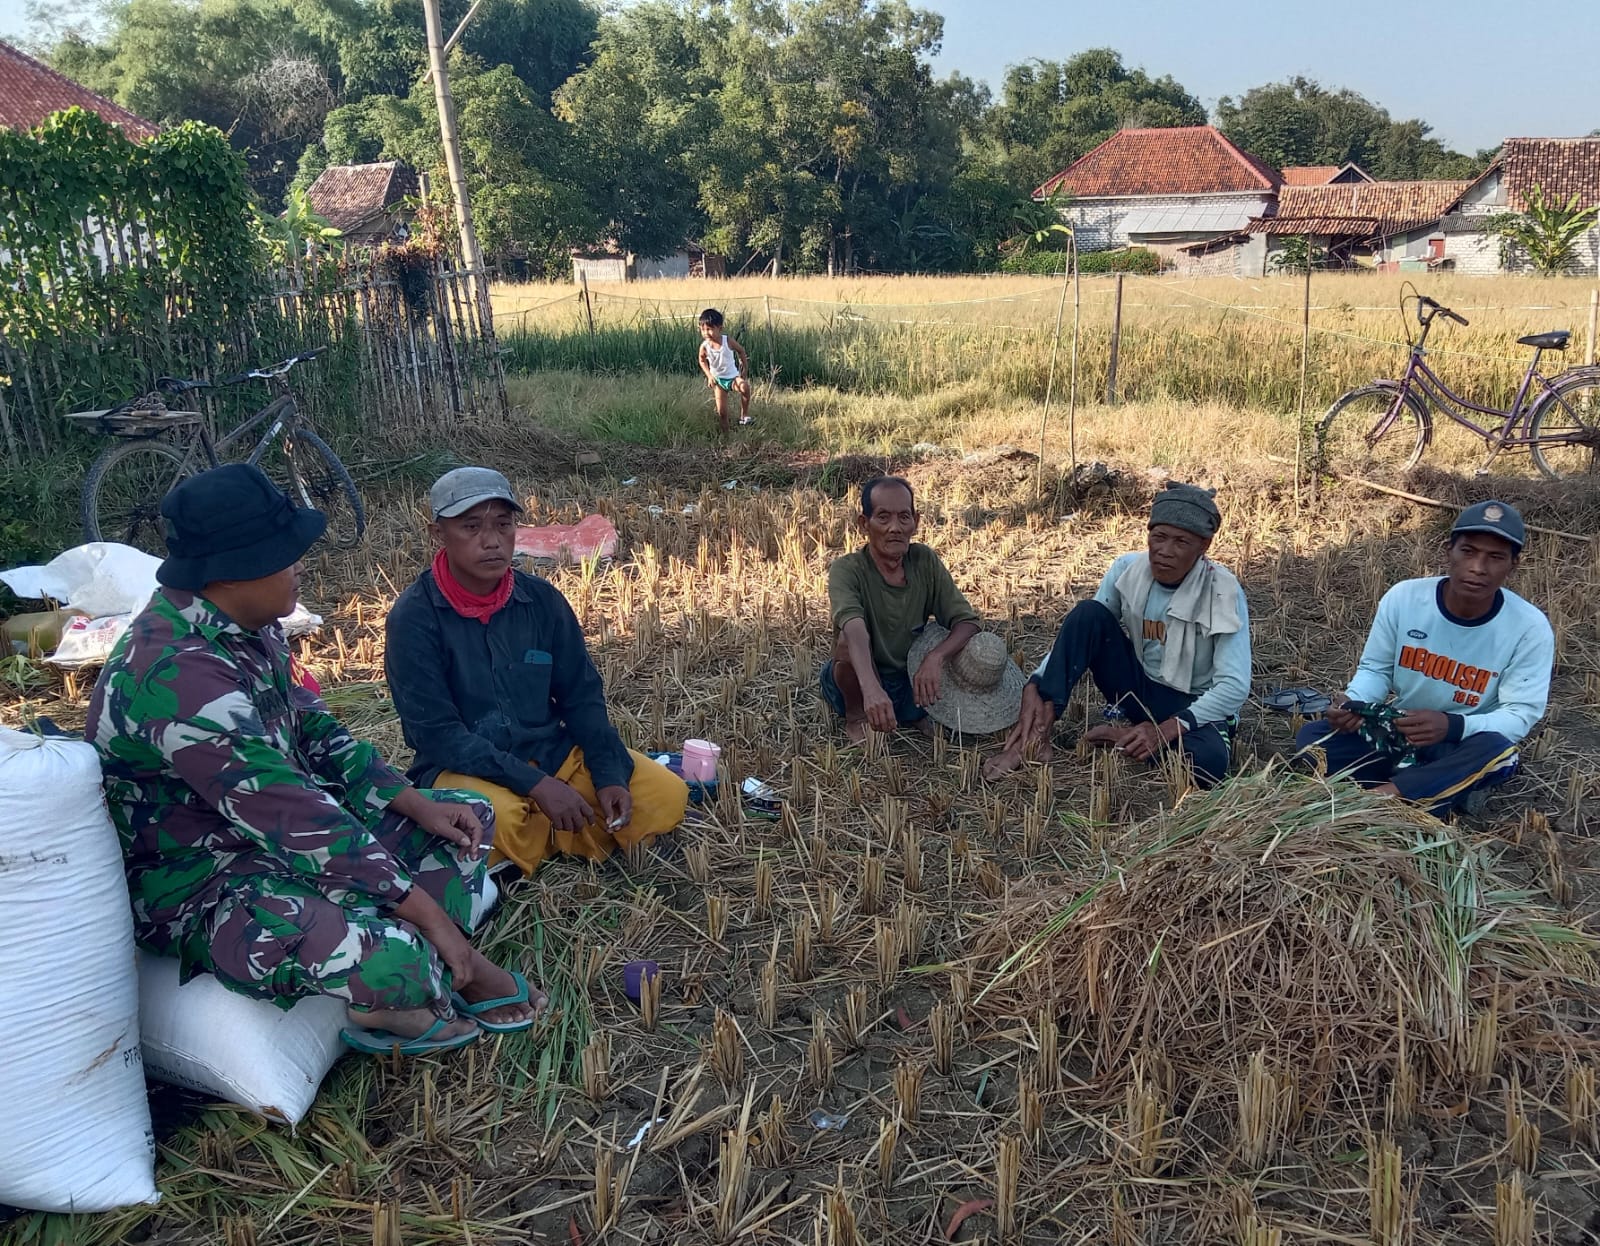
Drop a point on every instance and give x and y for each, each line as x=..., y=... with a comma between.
x=634, y=974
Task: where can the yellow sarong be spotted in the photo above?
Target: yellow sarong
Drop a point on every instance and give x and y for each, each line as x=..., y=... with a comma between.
x=524, y=835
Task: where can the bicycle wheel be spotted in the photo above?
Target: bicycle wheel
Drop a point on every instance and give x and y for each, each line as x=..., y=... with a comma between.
x=1344, y=441
x=317, y=479
x=1568, y=413
x=123, y=491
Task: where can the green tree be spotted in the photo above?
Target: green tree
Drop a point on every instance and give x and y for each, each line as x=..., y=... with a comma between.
x=811, y=134
x=1545, y=236
x=383, y=49
x=268, y=72
x=1052, y=112
x=1299, y=122
x=639, y=113
x=519, y=158
x=1296, y=254
x=249, y=67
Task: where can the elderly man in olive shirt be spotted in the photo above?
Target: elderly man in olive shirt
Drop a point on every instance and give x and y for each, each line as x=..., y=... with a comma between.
x=881, y=596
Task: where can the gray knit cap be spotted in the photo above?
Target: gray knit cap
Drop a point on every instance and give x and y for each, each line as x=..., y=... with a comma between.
x=1188, y=507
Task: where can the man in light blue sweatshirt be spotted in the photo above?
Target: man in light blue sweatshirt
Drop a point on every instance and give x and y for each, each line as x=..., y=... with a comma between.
x=1166, y=639
x=1465, y=659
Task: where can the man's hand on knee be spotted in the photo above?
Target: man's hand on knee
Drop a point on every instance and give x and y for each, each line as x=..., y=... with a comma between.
x=561, y=803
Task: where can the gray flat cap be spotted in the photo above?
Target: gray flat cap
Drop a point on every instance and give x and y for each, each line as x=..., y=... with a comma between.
x=458, y=491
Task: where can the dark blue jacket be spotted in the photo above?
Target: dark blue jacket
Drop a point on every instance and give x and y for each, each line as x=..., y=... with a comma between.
x=504, y=702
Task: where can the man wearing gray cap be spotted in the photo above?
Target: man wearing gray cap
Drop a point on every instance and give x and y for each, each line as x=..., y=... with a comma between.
x=1166, y=639
x=497, y=693
x=1455, y=672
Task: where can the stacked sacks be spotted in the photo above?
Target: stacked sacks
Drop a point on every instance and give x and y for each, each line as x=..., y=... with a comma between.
x=74, y=1122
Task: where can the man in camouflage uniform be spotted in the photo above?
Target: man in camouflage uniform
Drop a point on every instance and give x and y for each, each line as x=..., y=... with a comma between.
x=264, y=844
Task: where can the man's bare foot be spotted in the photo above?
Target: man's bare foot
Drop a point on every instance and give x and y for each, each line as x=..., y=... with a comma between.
x=489, y=981
x=407, y=1022
x=855, y=730
x=1105, y=735
x=927, y=726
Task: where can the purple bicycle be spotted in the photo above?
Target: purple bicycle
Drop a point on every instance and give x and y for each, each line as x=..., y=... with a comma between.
x=1388, y=424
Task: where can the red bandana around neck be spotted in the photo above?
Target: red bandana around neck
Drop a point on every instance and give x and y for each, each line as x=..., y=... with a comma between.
x=469, y=605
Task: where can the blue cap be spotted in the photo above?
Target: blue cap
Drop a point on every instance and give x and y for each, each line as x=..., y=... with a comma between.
x=1496, y=518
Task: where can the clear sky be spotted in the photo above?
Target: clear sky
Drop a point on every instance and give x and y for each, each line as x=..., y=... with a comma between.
x=1476, y=70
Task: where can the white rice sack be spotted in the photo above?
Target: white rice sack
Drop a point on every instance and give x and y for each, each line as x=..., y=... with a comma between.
x=74, y=1122
x=271, y=1060
x=203, y=1036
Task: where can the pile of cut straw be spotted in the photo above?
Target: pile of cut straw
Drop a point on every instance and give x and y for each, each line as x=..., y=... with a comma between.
x=1347, y=941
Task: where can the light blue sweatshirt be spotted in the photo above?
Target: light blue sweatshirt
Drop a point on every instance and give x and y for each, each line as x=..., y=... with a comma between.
x=1222, y=663
x=1488, y=674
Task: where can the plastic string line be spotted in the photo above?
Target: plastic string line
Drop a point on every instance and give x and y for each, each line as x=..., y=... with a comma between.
x=757, y=298
x=1354, y=337
x=523, y=311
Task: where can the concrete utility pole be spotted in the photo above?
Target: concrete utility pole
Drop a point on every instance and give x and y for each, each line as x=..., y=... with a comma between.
x=470, y=255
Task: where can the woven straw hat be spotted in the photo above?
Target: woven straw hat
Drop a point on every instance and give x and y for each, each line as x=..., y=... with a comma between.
x=982, y=687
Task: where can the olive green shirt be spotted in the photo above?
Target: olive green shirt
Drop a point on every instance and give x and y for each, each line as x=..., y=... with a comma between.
x=895, y=613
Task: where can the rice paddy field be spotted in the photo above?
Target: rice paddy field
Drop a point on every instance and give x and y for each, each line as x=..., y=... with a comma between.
x=1231, y=342
x=1082, y=1004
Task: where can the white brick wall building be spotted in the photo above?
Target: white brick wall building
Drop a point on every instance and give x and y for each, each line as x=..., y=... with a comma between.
x=1561, y=167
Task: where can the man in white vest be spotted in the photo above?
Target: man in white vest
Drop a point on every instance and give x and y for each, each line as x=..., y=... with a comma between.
x=1166, y=639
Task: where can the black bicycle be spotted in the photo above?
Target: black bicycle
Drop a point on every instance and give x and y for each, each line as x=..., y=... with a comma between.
x=159, y=446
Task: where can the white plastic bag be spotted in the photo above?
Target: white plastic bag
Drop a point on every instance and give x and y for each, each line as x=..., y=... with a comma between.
x=101, y=578
x=109, y=583
x=205, y=1037
x=74, y=1122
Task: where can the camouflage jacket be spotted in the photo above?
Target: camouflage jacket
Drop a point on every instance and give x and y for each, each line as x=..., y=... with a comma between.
x=218, y=765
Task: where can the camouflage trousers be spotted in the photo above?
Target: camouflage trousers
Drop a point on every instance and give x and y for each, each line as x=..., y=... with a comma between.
x=277, y=937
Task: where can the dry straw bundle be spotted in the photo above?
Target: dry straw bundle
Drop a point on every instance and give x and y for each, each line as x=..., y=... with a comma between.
x=1330, y=934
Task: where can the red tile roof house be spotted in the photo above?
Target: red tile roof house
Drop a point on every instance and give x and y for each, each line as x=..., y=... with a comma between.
x=30, y=92
x=1166, y=189
x=1561, y=167
x=1376, y=223
x=367, y=203
x=1324, y=174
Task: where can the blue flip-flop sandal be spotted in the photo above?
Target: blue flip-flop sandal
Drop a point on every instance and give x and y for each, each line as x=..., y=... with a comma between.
x=476, y=1011
x=383, y=1042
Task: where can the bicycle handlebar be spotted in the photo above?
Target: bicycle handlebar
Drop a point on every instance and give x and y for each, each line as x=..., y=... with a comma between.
x=1439, y=309
x=272, y=371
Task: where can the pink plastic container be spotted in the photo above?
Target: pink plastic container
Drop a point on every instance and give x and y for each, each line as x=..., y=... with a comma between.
x=700, y=760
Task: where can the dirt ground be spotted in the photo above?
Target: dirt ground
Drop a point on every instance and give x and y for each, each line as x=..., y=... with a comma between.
x=818, y=1069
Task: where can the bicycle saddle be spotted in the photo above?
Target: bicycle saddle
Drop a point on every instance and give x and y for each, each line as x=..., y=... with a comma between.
x=1556, y=339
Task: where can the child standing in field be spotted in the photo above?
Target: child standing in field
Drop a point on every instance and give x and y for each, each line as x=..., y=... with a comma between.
x=725, y=364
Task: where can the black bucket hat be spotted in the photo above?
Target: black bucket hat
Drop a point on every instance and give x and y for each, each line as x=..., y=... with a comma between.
x=233, y=523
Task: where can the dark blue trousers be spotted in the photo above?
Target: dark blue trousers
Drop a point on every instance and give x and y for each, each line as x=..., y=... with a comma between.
x=1091, y=640
x=1442, y=777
